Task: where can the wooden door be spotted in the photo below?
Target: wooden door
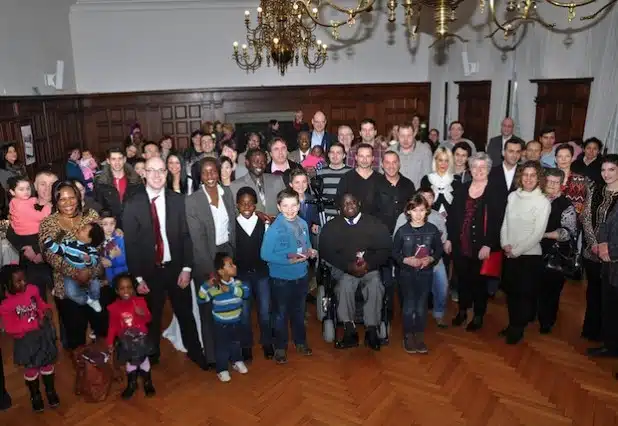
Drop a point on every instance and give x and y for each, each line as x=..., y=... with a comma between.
x=562, y=104
x=474, y=100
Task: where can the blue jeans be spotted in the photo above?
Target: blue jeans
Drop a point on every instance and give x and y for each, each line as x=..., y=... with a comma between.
x=260, y=290
x=227, y=344
x=80, y=294
x=415, y=288
x=289, y=299
x=439, y=289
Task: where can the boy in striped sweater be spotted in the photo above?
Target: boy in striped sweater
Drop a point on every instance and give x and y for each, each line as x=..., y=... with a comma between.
x=226, y=294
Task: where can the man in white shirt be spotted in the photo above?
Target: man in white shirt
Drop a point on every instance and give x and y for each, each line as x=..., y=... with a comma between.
x=159, y=253
x=503, y=175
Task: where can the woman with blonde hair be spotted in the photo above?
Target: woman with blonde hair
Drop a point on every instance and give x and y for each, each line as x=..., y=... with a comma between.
x=441, y=179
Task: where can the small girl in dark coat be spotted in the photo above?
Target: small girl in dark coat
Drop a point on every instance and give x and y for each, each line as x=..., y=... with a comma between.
x=128, y=322
x=27, y=318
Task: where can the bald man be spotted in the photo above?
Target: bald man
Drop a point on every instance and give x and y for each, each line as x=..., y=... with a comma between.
x=319, y=135
x=496, y=145
x=159, y=253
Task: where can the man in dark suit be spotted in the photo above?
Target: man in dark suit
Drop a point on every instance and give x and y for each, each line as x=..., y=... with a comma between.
x=319, y=136
x=502, y=175
x=159, y=253
x=266, y=186
x=116, y=184
x=503, y=181
x=496, y=145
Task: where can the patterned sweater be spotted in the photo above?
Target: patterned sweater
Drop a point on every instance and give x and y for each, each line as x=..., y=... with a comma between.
x=226, y=305
x=50, y=228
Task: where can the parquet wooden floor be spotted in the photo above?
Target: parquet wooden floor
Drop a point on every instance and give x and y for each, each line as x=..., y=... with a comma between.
x=466, y=379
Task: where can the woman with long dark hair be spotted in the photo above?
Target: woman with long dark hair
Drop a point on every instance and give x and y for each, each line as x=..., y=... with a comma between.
x=176, y=179
x=9, y=164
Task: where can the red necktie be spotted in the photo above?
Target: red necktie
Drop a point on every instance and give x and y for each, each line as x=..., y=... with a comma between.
x=156, y=225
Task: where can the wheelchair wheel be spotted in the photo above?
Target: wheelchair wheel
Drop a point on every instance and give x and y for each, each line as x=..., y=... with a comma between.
x=328, y=330
x=319, y=302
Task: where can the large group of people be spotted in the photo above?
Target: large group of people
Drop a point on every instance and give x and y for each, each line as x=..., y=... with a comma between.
x=228, y=224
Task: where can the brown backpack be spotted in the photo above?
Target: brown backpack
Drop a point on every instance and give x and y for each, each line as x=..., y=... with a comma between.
x=94, y=373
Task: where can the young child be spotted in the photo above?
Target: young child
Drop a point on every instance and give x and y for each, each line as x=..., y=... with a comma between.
x=113, y=259
x=439, y=287
x=26, y=215
x=81, y=253
x=416, y=248
x=286, y=249
x=128, y=322
x=226, y=294
x=27, y=318
x=299, y=182
x=253, y=271
x=315, y=160
x=88, y=165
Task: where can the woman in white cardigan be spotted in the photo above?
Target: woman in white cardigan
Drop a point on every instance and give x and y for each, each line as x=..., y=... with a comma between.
x=525, y=220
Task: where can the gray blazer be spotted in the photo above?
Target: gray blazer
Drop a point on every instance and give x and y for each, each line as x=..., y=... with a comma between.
x=273, y=184
x=202, y=230
x=295, y=156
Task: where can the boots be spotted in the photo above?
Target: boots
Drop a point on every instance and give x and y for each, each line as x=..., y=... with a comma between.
x=149, y=389
x=131, y=385
x=36, y=399
x=409, y=343
x=50, y=390
x=350, y=337
x=371, y=338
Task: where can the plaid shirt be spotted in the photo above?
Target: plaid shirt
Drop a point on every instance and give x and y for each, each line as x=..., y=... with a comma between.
x=378, y=153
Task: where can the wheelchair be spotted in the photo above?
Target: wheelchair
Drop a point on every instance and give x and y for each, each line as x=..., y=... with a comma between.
x=326, y=303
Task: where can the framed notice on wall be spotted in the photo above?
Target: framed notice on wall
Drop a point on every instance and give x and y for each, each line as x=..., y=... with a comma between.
x=27, y=138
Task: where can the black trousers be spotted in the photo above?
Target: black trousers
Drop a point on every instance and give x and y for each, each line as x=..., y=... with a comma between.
x=548, y=293
x=593, y=319
x=472, y=285
x=520, y=277
x=75, y=318
x=163, y=282
x=610, y=305
x=2, y=379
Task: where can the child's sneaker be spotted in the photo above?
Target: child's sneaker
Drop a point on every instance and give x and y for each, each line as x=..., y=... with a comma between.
x=240, y=367
x=224, y=376
x=421, y=347
x=94, y=304
x=409, y=343
x=304, y=350
x=280, y=356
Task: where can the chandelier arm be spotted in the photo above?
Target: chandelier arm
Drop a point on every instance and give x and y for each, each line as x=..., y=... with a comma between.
x=594, y=15
x=570, y=5
x=448, y=35
x=336, y=24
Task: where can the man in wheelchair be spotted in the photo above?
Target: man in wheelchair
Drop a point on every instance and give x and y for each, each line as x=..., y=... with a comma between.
x=356, y=245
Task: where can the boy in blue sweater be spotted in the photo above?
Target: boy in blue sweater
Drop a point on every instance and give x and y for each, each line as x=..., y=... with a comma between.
x=226, y=294
x=113, y=259
x=286, y=249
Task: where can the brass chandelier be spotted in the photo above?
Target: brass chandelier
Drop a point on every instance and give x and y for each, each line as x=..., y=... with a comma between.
x=284, y=33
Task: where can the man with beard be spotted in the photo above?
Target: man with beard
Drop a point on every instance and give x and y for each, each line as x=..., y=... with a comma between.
x=266, y=186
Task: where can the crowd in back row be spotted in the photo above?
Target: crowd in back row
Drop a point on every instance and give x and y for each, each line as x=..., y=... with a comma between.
x=515, y=211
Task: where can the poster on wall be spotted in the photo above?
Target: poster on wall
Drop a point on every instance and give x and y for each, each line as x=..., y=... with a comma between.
x=26, y=136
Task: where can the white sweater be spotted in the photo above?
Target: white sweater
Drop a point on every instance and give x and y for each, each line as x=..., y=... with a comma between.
x=524, y=222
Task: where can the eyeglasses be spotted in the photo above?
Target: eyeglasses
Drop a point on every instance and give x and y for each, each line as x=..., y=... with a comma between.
x=552, y=182
x=156, y=171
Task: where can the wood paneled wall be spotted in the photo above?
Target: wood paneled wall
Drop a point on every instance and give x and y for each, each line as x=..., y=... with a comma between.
x=562, y=104
x=100, y=121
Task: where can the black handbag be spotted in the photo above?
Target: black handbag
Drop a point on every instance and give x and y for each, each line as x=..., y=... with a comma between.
x=564, y=257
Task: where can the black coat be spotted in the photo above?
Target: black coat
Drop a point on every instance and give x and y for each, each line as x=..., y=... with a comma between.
x=139, y=238
x=107, y=196
x=391, y=200
x=487, y=236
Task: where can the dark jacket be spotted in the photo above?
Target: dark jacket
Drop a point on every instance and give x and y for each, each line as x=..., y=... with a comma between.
x=390, y=200
x=339, y=242
x=286, y=175
x=498, y=181
x=410, y=241
x=491, y=203
x=592, y=171
x=327, y=140
x=608, y=232
x=106, y=194
x=139, y=235
x=74, y=172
